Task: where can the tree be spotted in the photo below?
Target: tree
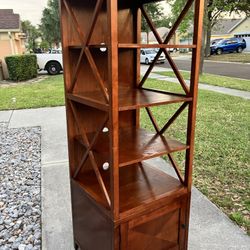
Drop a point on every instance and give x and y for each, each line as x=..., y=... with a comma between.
x=164, y=22
x=154, y=10
x=44, y=45
x=31, y=32
x=50, y=23
x=176, y=8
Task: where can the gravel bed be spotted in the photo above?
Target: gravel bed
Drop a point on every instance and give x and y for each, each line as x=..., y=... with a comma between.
x=20, y=188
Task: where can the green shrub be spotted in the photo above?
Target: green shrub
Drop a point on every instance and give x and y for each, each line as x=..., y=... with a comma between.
x=21, y=67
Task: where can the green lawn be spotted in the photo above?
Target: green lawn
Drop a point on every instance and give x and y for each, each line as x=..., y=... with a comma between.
x=47, y=93
x=221, y=164
x=231, y=57
x=216, y=80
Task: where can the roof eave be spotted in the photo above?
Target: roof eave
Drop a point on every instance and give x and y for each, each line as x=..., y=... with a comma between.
x=9, y=30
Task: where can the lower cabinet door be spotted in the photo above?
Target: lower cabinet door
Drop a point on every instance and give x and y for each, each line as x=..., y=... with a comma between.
x=162, y=229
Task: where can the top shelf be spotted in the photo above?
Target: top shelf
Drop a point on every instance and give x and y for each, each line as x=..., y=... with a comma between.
x=138, y=46
x=151, y=46
x=129, y=3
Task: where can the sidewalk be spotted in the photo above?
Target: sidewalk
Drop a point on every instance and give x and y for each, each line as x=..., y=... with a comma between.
x=223, y=90
x=209, y=228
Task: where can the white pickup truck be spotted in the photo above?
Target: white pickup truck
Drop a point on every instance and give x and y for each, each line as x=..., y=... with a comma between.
x=51, y=62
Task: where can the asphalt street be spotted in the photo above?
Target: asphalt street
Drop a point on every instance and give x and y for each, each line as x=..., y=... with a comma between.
x=225, y=69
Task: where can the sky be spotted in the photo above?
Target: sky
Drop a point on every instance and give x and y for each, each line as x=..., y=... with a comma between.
x=27, y=9
x=32, y=9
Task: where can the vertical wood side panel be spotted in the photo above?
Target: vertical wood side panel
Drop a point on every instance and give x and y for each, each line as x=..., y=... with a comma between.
x=138, y=41
x=197, y=39
x=113, y=112
x=138, y=59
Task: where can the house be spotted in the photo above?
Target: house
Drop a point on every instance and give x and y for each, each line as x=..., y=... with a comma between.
x=12, y=40
x=242, y=30
x=163, y=31
x=226, y=28
x=223, y=27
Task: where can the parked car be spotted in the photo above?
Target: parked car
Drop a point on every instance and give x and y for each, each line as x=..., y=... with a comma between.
x=51, y=62
x=213, y=42
x=148, y=55
x=171, y=50
x=228, y=45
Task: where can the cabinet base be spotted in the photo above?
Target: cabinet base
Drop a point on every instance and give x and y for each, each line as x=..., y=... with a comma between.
x=162, y=228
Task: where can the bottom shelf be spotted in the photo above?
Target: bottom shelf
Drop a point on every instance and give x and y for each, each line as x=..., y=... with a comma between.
x=140, y=186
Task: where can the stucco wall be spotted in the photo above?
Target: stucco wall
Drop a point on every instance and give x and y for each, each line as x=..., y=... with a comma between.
x=225, y=36
x=10, y=46
x=5, y=50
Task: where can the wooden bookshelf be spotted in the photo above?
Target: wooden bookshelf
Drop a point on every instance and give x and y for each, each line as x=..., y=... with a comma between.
x=119, y=200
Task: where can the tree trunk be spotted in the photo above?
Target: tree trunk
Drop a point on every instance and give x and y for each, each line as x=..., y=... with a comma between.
x=33, y=44
x=203, y=38
x=209, y=32
x=202, y=50
x=147, y=36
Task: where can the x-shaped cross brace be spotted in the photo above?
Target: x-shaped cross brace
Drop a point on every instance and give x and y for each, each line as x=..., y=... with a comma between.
x=89, y=153
x=167, y=39
x=85, y=50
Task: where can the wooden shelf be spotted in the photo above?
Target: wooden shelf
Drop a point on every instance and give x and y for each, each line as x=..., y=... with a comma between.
x=135, y=145
x=137, y=46
x=129, y=98
x=142, y=46
x=140, y=185
x=90, y=99
x=95, y=46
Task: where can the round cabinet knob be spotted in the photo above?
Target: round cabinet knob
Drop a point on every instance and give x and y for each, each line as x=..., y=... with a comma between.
x=105, y=166
x=105, y=130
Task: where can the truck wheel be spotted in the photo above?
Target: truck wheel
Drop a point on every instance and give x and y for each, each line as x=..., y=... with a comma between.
x=239, y=49
x=53, y=68
x=147, y=61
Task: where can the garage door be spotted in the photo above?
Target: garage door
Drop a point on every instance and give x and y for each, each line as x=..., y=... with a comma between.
x=246, y=37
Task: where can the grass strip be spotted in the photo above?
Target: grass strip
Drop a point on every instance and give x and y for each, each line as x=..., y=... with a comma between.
x=231, y=57
x=46, y=93
x=216, y=80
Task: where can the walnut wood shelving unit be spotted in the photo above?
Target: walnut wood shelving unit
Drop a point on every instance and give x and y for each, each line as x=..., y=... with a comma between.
x=119, y=201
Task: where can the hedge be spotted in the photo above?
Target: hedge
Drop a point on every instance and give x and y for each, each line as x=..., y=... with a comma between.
x=21, y=67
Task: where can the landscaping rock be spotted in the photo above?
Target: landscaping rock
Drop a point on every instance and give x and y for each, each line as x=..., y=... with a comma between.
x=20, y=188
